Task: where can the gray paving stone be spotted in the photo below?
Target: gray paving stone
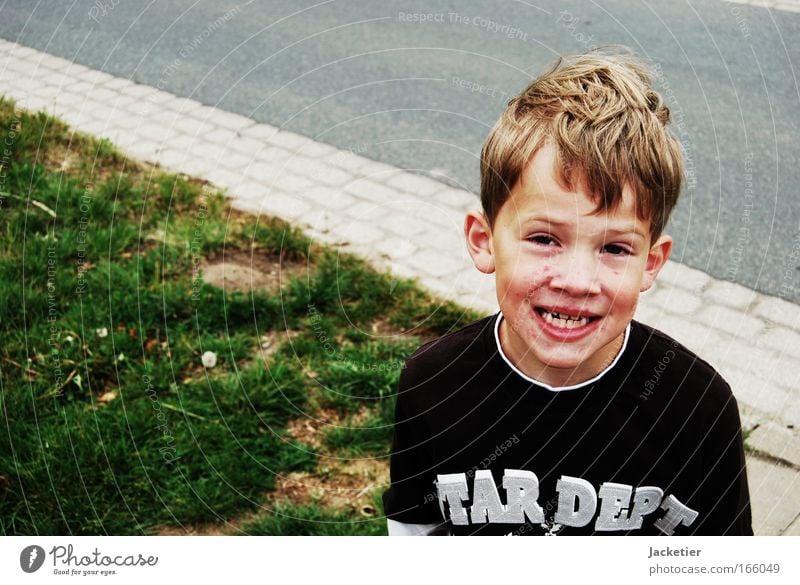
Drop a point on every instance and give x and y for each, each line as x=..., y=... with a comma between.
x=413, y=184
x=261, y=132
x=183, y=105
x=730, y=294
x=29, y=85
x=365, y=212
x=182, y=141
x=52, y=62
x=731, y=321
x=317, y=171
x=140, y=91
x=755, y=391
x=329, y=198
x=247, y=146
x=228, y=120
x=144, y=149
x=371, y=191
x=172, y=158
x=778, y=441
x=166, y=117
x=649, y=314
x=54, y=79
x=68, y=99
x=21, y=52
x=481, y=284
x=765, y=363
x=313, y=149
x=702, y=340
x=774, y=496
x=250, y=190
x=357, y=233
x=318, y=222
x=96, y=78
x=288, y=140
x=248, y=205
x=778, y=311
x=36, y=104
x=98, y=128
x=208, y=151
x=161, y=98
x=143, y=108
x=79, y=88
x=18, y=65
x=225, y=179
x=119, y=85
x=157, y=133
x=675, y=300
x=346, y=160
x=262, y=173
x=684, y=277
x=221, y=136
x=292, y=183
x=235, y=162
x=48, y=93
x=395, y=248
x=431, y=263
x=781, y=339
x=284, y=206
x=449, y=242
x=399, y=225
x=377, y=171
x=100, y=94
x=418, y=209
x=274, y=155
x=459, y=200
x=196, y=168
x=193, y=126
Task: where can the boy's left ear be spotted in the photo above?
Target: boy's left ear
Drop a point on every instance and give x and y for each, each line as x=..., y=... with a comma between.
x=656, y=258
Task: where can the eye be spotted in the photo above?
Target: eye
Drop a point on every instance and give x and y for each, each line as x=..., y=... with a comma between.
x=543, y=239
x=616, y=250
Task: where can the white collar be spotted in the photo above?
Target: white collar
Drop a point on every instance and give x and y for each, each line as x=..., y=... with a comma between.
x=548, y=386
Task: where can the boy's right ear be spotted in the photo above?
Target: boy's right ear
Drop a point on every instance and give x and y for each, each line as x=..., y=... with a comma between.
x=479, y=241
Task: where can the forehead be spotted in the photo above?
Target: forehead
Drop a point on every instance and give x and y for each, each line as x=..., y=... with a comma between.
x=542, y=195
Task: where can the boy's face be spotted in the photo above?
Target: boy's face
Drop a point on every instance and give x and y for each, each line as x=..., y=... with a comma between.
x=568, y=278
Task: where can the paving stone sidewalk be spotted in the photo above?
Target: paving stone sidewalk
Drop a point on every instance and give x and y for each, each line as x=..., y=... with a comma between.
x=412, y=226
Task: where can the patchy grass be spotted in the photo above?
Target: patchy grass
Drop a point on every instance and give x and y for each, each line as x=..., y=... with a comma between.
x=112, y=424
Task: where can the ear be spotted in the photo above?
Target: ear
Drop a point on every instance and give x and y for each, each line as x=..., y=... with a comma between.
x=479, y=241
x=656, y=258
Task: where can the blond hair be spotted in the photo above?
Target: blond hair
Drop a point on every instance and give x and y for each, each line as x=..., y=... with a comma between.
x=607, y=124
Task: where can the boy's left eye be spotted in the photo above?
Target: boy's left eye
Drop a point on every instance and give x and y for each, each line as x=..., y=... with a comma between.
x=616, y=249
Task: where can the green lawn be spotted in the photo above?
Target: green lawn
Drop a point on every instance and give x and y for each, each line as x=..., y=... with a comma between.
x=111, y=424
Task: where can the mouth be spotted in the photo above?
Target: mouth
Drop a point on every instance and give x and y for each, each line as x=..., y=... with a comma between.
x=562, y=320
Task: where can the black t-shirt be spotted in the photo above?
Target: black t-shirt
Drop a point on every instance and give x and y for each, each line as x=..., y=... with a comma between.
x=653, y=445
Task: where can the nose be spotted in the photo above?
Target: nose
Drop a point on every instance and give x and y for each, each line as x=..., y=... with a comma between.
x=576, y=274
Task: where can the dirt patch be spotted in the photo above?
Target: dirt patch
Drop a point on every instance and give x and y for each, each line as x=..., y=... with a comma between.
x=239, y=271
x=338, y=484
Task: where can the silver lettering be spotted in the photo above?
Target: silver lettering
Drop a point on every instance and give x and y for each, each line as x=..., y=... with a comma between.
x=572, y=491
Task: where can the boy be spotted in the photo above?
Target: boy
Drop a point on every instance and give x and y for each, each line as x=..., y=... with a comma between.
x=560, y=414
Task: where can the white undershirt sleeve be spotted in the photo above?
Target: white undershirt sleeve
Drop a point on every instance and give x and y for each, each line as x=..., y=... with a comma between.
x=404, y=529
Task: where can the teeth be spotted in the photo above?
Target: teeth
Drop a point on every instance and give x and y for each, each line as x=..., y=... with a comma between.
x=564, y=321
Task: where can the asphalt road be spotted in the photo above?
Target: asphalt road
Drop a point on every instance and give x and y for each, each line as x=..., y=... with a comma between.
x=419, y=84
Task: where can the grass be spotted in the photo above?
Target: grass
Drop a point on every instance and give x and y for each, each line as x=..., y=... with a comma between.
x=110, y=422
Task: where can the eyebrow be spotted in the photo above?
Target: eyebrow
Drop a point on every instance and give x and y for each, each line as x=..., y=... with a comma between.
x=614, y=230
